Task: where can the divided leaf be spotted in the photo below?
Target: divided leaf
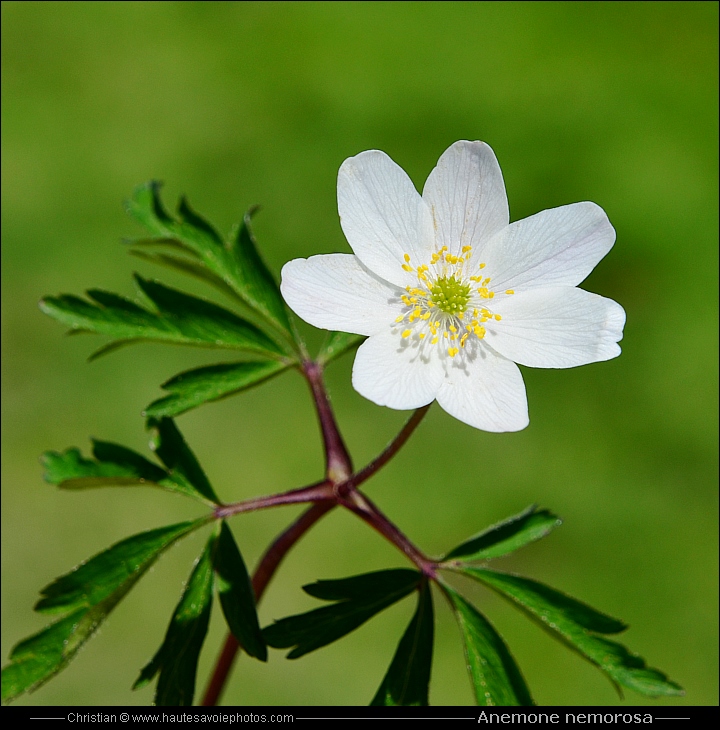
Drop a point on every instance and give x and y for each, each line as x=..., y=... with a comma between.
x=237, y=264
x=359, y=599
x=179, y=319
x=202, y=385
x=183, y=466
x=506, y=536
x=186, y=266
x=40, y=657
x=408, y=679
x=256, y=284
x=89, y=592
x=576, y=625
x=237, y=597
x=495, y=676
x=176, y=659
x=116, y=465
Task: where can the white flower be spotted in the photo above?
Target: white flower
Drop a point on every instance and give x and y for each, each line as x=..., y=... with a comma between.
x=450, y=294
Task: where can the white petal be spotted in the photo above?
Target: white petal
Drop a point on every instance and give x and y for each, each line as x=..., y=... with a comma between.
x=487, y=393
x=560, y=246
x=466, y=195
x=557, y=327
x=336, y=292
x=392, y=372
x=383, y=216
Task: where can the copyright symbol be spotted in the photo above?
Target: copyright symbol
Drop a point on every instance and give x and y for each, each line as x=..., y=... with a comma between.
x=124, y=717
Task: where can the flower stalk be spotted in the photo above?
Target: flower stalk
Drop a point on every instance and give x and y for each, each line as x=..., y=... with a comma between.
x=340, y=488
x=338, y=465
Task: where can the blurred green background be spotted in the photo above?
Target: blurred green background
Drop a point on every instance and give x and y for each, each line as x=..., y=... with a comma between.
x=243, y=103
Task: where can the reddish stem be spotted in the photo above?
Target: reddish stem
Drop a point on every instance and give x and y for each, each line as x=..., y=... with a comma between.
x=364, y=508
x=395, y=445
x=338, y=465
x=320, y=492
x=339, y=487
x=263, y=573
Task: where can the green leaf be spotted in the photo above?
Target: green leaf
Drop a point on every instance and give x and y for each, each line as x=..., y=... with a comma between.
x=360, y=598
x=507, y=536
x=69, y=470
x=38, y=658
x=187, y=266
x=195, y=317
x=100, y=578
x=179, y=319
x=495, y=676
x=576, y=625
x=336, y=344
x=202, y=385
x=176, y=659
x=256, y=284
x=143, y=242
x=237, y=597
x=184, y=468
x=116, y=465
x=89, y=593
x=237, y=263
x=146, y=207
x=408, y=679
x=367, y=585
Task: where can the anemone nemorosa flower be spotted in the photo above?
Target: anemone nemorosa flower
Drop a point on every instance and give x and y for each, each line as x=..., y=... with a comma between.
x=450, y=294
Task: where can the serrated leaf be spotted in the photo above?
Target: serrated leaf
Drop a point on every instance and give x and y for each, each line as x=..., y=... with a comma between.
x=187, y=266
x=184, y=468
x=361, y=598
x=407, y=680
x=198, y=318
x=238, y=263
x=257, y=285
x=237, y=597
x=160, y=242
x=95, y=580
x=214, y=382
x=116, y=465
x=576, y=625
x=360, y=587
x=506, y=536
x=176, y=659
x=336, y=344
x=179, y=319
x=38, y=658
x=70, y=470
x=146, y=207
x=495, y=676
x=89, y=592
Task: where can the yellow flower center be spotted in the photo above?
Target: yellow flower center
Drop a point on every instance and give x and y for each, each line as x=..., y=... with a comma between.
x=450, y=294
x=448, y=302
